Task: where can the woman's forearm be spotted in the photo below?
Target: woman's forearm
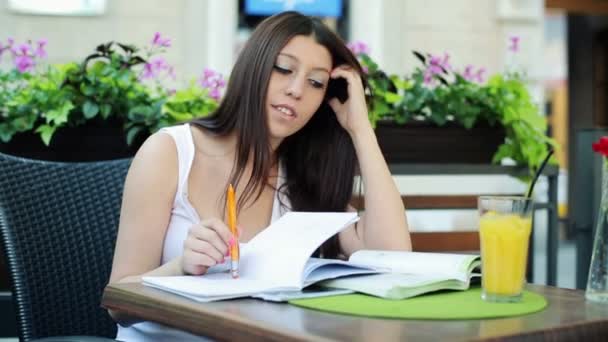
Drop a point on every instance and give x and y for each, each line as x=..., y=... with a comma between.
x=171, y=268
x=385, y=224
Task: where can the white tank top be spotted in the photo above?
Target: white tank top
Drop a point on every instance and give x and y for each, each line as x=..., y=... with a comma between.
x=183, y=215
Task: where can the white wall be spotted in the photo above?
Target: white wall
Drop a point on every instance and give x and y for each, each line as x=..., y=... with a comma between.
x=471, y=31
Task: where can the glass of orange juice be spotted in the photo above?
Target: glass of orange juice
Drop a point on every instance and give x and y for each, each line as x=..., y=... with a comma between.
x=505, y=223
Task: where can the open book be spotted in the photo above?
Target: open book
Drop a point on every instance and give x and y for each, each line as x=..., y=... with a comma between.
x=276, y=260
x=411, y=273
x=276, y=265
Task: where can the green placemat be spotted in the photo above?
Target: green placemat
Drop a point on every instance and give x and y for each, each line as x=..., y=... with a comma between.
x=441, y=305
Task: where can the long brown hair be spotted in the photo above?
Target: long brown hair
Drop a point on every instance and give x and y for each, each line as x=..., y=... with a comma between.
x=319, y=160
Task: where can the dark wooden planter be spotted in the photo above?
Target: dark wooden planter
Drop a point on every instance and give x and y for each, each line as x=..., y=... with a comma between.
x=96, y=140
x=421, y=142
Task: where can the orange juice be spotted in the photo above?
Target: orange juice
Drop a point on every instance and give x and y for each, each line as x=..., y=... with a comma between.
x=504, y=250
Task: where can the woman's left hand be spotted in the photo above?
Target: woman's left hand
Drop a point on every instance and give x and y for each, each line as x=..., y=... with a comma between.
x=352, y=114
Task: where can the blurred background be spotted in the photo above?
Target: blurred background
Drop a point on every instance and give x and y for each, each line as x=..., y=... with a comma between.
x=562, y=47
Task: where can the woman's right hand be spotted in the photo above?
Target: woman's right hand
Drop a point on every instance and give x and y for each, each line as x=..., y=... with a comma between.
x=206, y=245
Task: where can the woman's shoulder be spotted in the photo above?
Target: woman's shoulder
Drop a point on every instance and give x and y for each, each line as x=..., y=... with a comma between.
x=157, y=156
x=210, y=144
x=158, y=146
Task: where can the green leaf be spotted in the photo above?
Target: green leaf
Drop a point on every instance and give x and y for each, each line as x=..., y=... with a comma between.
x=87, y=89
x=132, y=134
x=60, y=115
x=106, y=110
x=391, y=97
x=6, y=133
x=46, y=133
x=90, y=109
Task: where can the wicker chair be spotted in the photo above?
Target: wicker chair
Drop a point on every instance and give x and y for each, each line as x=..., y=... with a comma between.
x=58, y=224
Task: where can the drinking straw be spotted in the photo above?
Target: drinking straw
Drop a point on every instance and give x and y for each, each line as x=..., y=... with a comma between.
x=536, y=175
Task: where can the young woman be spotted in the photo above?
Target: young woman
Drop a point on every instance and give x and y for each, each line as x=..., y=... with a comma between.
x=290, y=133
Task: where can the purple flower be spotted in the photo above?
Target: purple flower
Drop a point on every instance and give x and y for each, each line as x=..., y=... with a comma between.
x=21, y=50
x=160, y=41
x=428, y=77
x=24, y=63
x=148, y=72
x=40, y=51
x=479, y=75
x=473, y=76
x=514, y=43
x=358, y=48
x=160, y=63
x=436, y=66
x=22, y=56
x=213, y=81
x=468, y=73
x=215, y=94
x=155, y=67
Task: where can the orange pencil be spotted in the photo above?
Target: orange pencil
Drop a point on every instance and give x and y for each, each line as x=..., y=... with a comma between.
x=234, y=246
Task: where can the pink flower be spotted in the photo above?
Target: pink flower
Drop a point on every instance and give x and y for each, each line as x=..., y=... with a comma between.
x=21, y=50
x=358, y=48
x=215, y=94
x=213, y=81
x=24, y=63
x=514, y=43
x=155, y=67
x=208, y=73
x=473, y=76
x=468, y=73
x=479, y=76
x=40, y=51
x=436, y=66
x=159, y=41
x=428, y=77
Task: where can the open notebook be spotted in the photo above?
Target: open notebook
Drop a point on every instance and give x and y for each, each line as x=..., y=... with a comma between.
x=276, y=260
x=409, y=273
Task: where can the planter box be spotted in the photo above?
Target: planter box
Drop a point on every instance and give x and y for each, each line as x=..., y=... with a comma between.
x=93, y=141
x=422, y=142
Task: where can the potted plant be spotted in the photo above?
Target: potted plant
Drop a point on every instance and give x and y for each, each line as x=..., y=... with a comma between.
x=101, y=108
x=417, y=115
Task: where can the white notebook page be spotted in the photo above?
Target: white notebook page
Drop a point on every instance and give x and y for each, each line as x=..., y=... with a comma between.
x=273, y=260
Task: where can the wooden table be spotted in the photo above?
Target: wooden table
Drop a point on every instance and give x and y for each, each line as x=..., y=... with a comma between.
x=568, y=317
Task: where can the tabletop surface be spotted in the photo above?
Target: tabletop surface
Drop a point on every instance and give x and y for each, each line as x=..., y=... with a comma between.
x=567, y=317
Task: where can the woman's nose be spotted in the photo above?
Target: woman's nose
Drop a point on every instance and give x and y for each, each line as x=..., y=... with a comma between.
x=295, y=86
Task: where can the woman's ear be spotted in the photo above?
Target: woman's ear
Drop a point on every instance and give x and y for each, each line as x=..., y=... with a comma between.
x=337, y=88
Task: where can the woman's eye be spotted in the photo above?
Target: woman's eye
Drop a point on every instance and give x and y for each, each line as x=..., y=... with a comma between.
x=317, y=84
x=282, y=70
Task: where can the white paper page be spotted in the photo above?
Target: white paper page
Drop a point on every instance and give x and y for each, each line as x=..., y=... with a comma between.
x=272, y=261
x=279, y=253
x=209, y=285
x=317, y=269
x=386, y=281
x=445, y=265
